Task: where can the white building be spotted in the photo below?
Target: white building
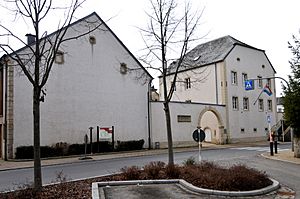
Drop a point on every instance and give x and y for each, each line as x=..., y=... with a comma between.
x=210, y=92
x=96, y=81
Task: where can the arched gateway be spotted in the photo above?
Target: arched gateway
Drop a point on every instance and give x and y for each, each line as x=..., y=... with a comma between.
x=212, y=123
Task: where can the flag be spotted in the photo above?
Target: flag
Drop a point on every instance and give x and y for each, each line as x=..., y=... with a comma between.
x=267, y=90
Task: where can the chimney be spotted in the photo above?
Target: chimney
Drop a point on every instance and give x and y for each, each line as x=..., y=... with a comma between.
x=30, y=38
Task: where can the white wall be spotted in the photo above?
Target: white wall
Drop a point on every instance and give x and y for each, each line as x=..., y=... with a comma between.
x=182, y=131
x=203, y=79
x=251, y=62
x=87, y=90
x=216, y=88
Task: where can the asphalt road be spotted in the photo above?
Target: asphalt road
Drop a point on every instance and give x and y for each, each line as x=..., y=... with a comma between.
x=286, y=173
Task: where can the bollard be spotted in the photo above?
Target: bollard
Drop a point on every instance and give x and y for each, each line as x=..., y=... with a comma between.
x=86, y=139
x=91, y=138
x=85, y=145
x=275, y=146
x=271, y=148
x=271, y=136
x=98, y=142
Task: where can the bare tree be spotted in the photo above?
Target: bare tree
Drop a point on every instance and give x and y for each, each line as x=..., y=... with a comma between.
x=36, y=59
x=167, y=32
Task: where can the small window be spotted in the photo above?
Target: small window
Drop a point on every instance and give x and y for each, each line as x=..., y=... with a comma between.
x=260, y=83
x=254, y=130
x=235, y=103
x=92, y=40
x=245, y=103
x=261, y=105
x=187, y=83
x=184, y=118
x=123, y=68
x=242, y=130
x=244, y=78
x=233, y=77
x=270, y=105
x=59, y=57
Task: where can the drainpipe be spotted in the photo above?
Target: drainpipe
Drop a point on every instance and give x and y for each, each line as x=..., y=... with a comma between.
x=5, y=109
x=216, y=78
x=149, y=114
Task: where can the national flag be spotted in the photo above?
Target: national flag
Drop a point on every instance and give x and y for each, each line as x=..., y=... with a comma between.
x=267, y=90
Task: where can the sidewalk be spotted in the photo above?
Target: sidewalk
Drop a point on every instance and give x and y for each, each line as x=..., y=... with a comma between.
x=17, y=164
x=286, y=156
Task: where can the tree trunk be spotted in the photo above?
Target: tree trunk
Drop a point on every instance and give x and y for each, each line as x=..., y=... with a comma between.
x=169, y=133
x=36, y=139
x=296, y=147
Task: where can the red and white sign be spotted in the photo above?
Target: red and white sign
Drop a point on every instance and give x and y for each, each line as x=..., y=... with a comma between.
x=105, y=133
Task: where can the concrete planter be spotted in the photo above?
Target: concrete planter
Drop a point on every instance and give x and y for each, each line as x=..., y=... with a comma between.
x=97, y=193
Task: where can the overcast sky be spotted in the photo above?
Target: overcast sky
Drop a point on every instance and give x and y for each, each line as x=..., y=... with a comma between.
x=264, y=24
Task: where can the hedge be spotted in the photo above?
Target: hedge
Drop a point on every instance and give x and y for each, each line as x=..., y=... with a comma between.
x=64, y=149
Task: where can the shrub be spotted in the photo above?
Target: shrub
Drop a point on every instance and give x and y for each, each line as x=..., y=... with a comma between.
x=190, y=161
x=173, y=171
x=103, y=146
x=24, y=152
x=61, y=148
x=154, y=170
x=236, y=178
x=47, y=151
x=130, y=145
x=76, y=149
x=131, y=173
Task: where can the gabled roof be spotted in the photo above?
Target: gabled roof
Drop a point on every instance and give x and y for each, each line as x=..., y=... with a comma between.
x=115, y=36
x=210, y=52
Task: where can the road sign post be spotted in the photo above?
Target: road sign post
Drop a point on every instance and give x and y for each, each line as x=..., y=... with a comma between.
x=199, y=136
x=270, y=135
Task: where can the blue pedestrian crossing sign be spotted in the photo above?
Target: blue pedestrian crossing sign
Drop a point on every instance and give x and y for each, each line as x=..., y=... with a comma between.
x=249, y=85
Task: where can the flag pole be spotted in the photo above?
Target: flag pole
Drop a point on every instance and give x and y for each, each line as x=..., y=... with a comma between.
x=258, y=96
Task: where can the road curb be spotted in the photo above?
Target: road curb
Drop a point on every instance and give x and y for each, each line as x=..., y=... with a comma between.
x=264, y=155
x=97, y=193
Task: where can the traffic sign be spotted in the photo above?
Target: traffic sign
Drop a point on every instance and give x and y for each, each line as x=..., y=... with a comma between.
x=269, y=119
x=199, y=135
x=249, y=85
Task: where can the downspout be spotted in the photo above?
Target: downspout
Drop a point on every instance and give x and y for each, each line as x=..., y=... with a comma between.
x=216, y=78
x=149, y=113
x=5, y=111
x=227, y=129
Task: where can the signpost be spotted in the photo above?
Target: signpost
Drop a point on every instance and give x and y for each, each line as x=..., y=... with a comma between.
x=199, y=136
x=270, y=134
x=85, y=157
x=107, y=133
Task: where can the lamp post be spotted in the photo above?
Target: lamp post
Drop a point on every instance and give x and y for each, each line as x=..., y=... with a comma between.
x=249, y=86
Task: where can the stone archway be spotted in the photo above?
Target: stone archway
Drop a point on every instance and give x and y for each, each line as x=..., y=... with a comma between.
x=210, y=118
